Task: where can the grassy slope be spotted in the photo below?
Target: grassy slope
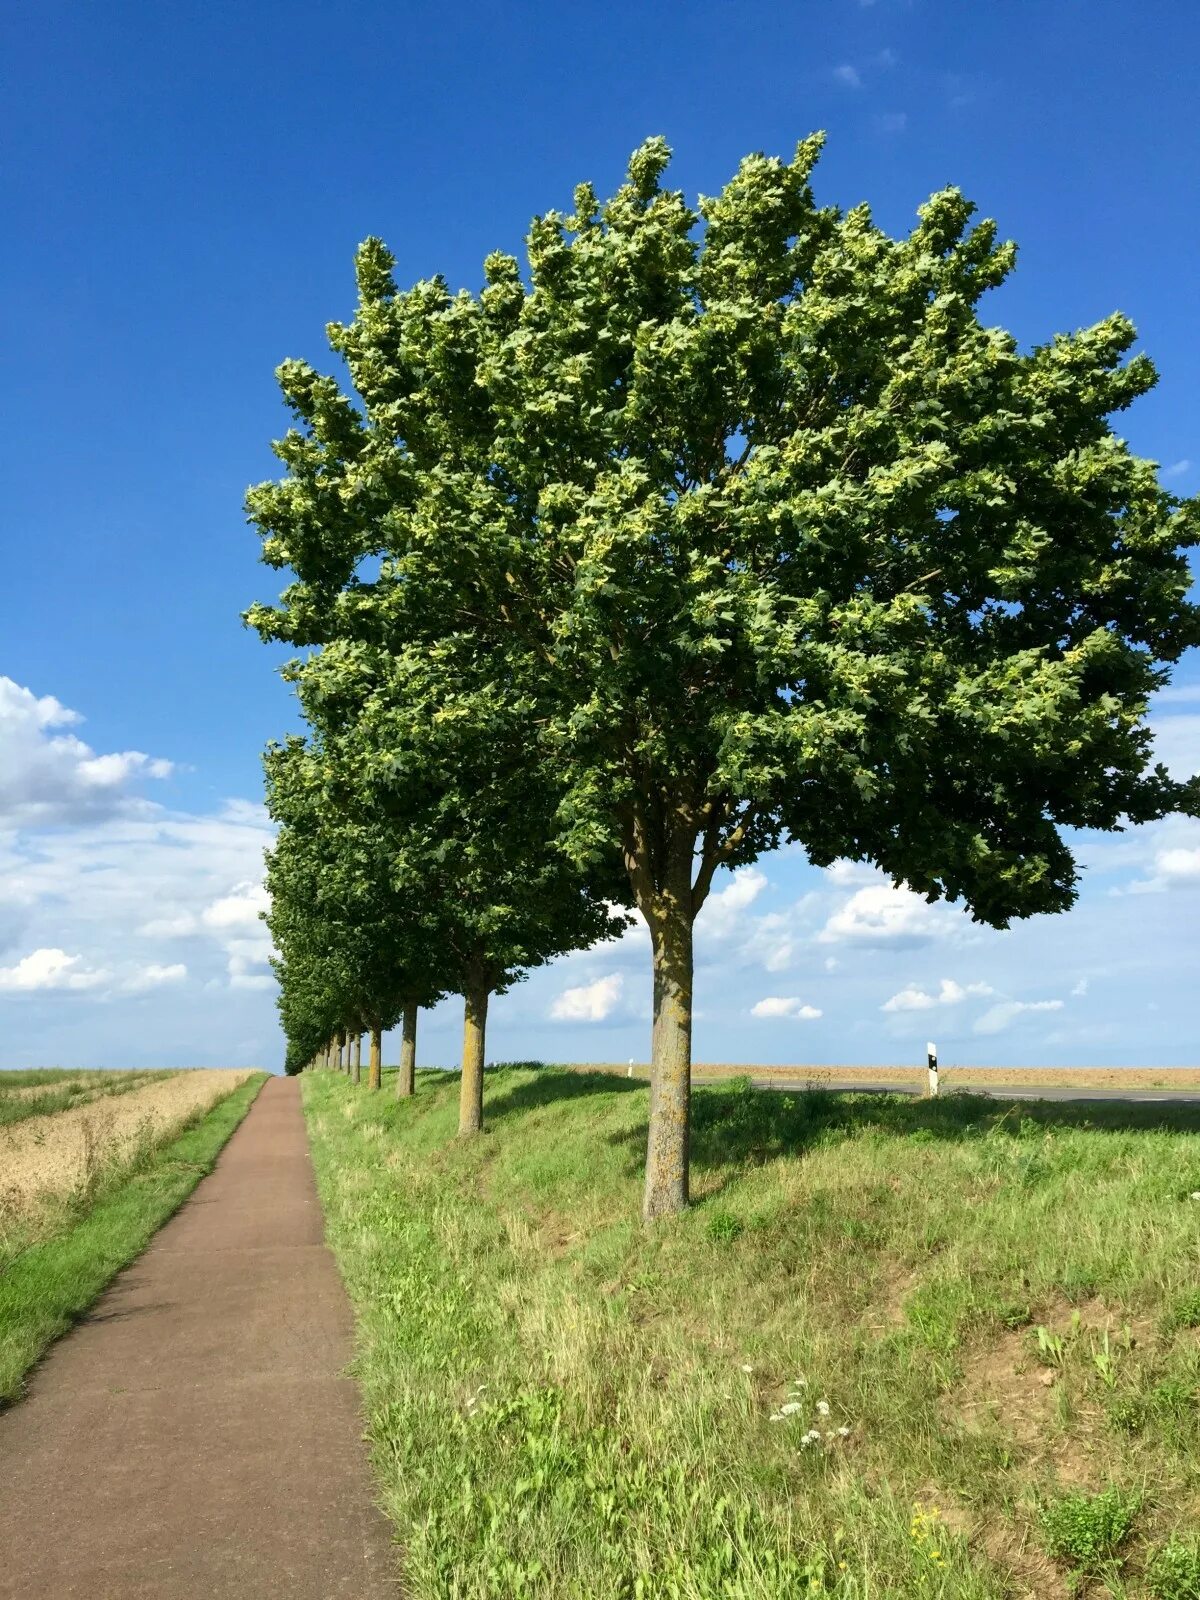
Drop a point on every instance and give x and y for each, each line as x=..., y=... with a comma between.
x=559, y=1401
x=53, y=1282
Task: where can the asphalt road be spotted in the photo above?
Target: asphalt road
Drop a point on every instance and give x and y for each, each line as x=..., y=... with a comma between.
x=1133, y=1097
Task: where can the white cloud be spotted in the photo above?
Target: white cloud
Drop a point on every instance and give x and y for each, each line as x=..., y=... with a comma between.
x=240, y=908
x=1177, y=743
x=49, y=969
x=1178, y=865
x=848, y=76
x=48, y=776
x=1177, y=468
x=884, y=914
x=169, y=927
x=723, y=908
x=154, y=976
x=1172, y=867
x=1080, y=989
x=790, y=1006
x=949, y=994
x=892, y=121
x=846, y=871
x=590, y=1002
x=1001, y=1016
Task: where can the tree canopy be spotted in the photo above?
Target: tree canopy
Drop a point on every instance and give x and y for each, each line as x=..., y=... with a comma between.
x=761, y=533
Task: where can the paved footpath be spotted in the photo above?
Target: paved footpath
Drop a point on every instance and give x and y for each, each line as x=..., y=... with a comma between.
x=193, y=1438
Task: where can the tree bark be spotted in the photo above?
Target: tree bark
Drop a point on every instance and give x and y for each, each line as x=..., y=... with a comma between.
x=667, y=1147
x=470, y=1102
x=406, y=1081
x=356, y=1055
x=375, y=1067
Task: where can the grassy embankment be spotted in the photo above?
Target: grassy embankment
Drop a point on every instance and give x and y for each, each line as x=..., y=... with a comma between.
x=57, y=1257
x=941, y=1349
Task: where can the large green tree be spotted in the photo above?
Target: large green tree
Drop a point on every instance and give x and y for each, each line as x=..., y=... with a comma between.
x=773, y=535
x=427, y=755
x=355, y=951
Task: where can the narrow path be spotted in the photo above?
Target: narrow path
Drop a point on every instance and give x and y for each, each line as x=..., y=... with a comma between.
x=193, y=1438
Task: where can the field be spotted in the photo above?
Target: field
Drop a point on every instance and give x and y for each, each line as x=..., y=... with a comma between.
x=897, y=1347
x=90, y=1165
x=989, y=1080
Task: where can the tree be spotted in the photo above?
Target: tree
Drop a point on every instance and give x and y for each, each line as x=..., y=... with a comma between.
x=774, y=538
x=428, y=754
x=354, y=952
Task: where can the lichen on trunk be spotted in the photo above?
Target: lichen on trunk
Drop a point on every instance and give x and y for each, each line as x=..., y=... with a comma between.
x=667, y=1147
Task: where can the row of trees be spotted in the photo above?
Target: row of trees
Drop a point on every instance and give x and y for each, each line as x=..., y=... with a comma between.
x=704, y=529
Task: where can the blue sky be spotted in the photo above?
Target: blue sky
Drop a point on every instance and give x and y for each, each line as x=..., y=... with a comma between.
x=183, y=189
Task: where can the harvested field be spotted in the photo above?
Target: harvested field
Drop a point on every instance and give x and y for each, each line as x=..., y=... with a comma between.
x=995, y=1080
x=55, y=1156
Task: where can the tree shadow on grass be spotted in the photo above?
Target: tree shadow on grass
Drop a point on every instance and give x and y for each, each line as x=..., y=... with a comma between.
x=550, y=1086
x=736, y=1125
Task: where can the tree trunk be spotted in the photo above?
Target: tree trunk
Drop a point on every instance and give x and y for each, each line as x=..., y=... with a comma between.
x=666, y=1188
x=406, y=1080
x=470, y=1101
x=375, y=1067
x=356, y=1055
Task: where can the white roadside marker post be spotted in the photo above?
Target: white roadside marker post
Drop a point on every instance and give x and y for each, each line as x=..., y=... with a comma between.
x=629, y=1074
x=931, y=1063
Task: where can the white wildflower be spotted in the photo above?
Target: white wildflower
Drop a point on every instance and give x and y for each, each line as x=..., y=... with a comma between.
x=822, y=1408
x=746, y=1367
x=813, y=1436
x=843, y=1433
x=788, y=1409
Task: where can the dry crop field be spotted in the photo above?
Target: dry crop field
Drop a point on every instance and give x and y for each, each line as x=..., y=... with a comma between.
x=91, y=1163
x=993, y=1080
x=108, y=1122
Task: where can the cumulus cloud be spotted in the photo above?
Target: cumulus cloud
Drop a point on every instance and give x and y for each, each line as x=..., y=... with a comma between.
x=723, y=907
x=790, y=1006
x=49, y=968
x=1172, y=867
x=884, y=914
x=999, y=1017
x=949, y=994
x=1177, y=468
x=241, y=908
x=848, y=76
x=154, y=976
x=50, y=776
x=590, y=1002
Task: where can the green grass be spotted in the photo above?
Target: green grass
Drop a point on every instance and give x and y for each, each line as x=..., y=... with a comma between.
x=63, y=1089
x=48, y=1285
x=559, y=1402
